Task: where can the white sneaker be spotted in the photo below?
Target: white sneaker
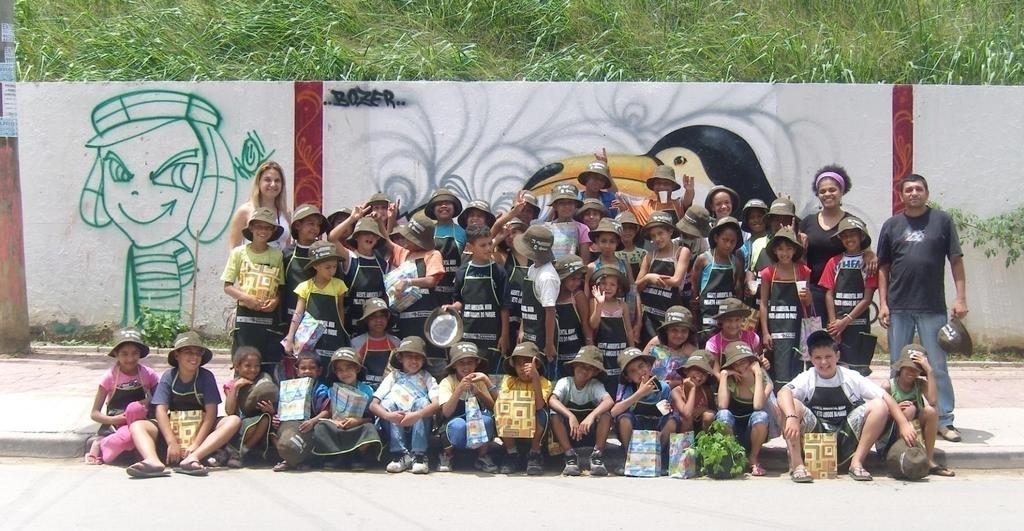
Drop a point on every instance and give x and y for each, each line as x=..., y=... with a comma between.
x=444, y=462
x=419, y=464
x=400, y=464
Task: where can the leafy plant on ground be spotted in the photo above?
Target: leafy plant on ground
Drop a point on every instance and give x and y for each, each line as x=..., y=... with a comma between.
x=160, y=328
x=721, y=455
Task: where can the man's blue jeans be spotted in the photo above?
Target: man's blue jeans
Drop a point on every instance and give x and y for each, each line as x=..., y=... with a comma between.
x=902, y=325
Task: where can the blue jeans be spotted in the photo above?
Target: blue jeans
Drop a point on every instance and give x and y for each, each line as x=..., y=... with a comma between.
x=419, y=433
x=742, y=430
x=902, y=326
x=455, y=430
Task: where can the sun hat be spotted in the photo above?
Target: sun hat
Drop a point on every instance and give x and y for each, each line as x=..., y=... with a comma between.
x=590, y=203
x=372, y=306
x=266, y=216
x=714, y=191
x=753, y=204
x=630, y=355
x=379, y=197
x=321, y=251
x=567, y=265
x=339, y=216
x=535, y=243
x=409, y=345
x=659, y=219
x=678, y=315
x=784, y=235
x=699, y=359
x=722, y=224
x=479, y=205
x=465, y=350
x=854, y=223
x=606, y=271
x=439, y=195
x=736, y=351
x=954, y=338
x=526, y=349
x=565, y=191
x=344, y=354
x=129, y=335
x=190, y=338
x=591, y=356
x=663, y=173
x=249, y=396
x=732, y=307
x=302, y=212
x=696, y=222
x=596, y=168
x=443, y=327
x=608, y=226
x=905, y=360
x=419, y=231
x=366, y=225
x=627, y=218
x=782, y=207
x=907, y=462
x=531, y=200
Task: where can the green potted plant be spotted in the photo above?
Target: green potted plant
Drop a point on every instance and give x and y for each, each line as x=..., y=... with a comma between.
x=720, y=454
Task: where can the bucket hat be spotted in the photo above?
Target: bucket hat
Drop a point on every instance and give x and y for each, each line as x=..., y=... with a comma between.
x=606, y=271
x=591, y=356
x=753, y=204
x=732, y=307
x=379, y=197
x=129, y=335
x=659, y=219
x=678, y=315
x=419, y=231
x=907, y=462
x=590, y=203
x=344, y=354
x=714, y=191
x=565, y=191
x=321, y=251
x=526, y=349
x=905, y=359
x=189, y=339
x=785, y=235
x=465, y=350
x=700, y=359
x=479, y=205
x=954, y=338
x=630, y=355
x=535, y=243
x=372, y=306
x=696, y=222
x=663, y=173
x=599, y=169
x=267, y=216
x=338, y=216
x=569, y=264
x=782, y=207
x=366, y=225
x=302, y=212
x=409, y=345
x=854, y=223
x=627, y=218
x=608, y=226
x=443, y=327
x=442, y=194
x=736, y=351
x=722, y=224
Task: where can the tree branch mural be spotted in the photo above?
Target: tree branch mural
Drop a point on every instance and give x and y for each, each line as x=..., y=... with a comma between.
x=164, y=176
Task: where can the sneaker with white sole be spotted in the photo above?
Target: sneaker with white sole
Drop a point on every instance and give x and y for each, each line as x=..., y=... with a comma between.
x=572, y=465
x=597, y=467
x=400, y=463
x=419, y=464
x=444, y=463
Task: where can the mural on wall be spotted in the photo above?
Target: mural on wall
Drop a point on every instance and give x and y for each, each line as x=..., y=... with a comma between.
x=164, y=176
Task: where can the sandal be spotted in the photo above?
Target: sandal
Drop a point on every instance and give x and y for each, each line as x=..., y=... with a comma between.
x=801, y=475
x=93, y=459
x=192, y=468
x=859, y=474
x=282, y=467
x=757, y=470
x=939, y=470
x=143, y=469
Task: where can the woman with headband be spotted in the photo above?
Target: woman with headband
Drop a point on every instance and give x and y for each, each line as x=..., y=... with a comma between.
x=831, y=183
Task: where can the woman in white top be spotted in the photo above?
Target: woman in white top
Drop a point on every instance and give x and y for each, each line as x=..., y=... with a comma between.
x=267, y=191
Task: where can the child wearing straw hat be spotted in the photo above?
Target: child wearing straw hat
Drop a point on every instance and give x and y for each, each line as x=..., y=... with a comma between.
x=126, y=389
x=673, y=345
x=746, y=402
x=582, y=405
x=407, y=400
x=570, y=235
x=375, y=344
x=693, y=397
x=467, y=378
x=572, y=311
x=349, y=432
x=661, y=274
x=413, y=243
x=610, y=319
x=321, y=297
x=524, y=371
x=848, y=294
x=186, y=386
x=251, y=276
x=785, y=301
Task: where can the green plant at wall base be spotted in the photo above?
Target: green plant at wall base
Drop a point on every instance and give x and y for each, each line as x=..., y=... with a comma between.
x=998, y=234
x=160, y=328
x=721, y=455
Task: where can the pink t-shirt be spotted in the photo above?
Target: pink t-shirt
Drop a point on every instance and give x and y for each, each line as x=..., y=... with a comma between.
x=147, y=377
x=716, y=344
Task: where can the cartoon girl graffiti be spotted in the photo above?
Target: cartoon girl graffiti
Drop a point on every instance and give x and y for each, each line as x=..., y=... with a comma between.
x=164, y=176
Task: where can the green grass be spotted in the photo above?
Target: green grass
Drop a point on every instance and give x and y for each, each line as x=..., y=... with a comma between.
x=889, y=41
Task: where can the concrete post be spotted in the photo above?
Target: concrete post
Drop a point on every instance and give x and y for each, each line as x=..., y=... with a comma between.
x=14, y=333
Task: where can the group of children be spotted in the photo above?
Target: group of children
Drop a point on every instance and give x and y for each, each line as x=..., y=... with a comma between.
x=643, y=321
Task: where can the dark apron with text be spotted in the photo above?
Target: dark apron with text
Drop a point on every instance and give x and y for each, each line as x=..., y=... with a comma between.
x=375, y=365
x=570, y=334
x=516, y=274
x=410, y=323
x=535, y=327
x=784, y=318
x=324, y=308
x=657, y=300
x=295, y=273
x=647, y=413
x=720, y=286
x=260, y=330
x=451, y=257
x=481, y=307
x=121, y=396
x=848, y=292
x=365, y=281
x=611, y=339
x=831, y=406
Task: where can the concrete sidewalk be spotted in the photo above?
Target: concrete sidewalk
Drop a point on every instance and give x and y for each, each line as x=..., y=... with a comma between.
x=46, y=397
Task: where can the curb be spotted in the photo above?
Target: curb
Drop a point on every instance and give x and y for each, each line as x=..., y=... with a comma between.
x=64, y=445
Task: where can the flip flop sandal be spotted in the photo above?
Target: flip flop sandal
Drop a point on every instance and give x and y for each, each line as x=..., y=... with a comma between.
x=801, y=475
x=757, y=470
x=859, y=474
x=282, y=467
x=192, y=468
x=145, y=470
x=939, y=470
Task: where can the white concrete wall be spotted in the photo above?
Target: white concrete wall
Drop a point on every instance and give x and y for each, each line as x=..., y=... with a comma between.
x=484, y=140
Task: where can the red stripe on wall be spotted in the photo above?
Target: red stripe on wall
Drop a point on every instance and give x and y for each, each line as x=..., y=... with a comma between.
x=902, y=139
x=309, y=142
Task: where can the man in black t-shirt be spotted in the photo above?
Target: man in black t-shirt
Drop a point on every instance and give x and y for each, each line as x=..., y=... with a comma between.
x=912, y=250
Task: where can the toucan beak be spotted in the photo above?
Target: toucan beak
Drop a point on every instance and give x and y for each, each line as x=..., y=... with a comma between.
x=630, y=172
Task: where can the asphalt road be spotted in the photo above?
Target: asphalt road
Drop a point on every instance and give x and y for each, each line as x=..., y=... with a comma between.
x=54, y=494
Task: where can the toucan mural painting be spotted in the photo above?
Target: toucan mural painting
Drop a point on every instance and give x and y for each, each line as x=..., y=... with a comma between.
x=712, y=155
